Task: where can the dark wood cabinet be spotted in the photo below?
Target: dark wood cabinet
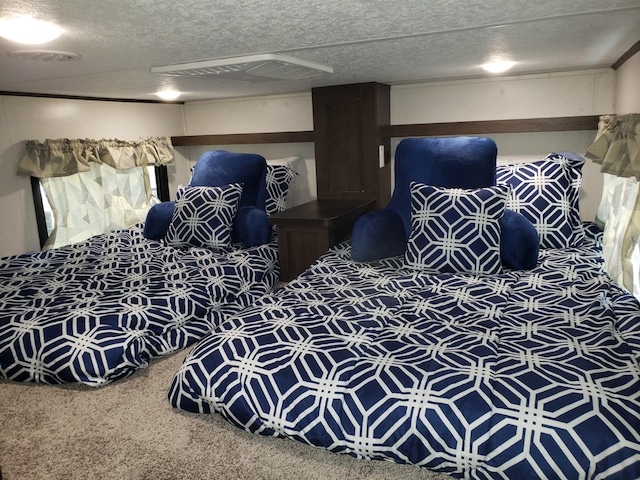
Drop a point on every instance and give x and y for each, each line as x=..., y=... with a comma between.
x=353, y=173
x=307, y=231
x=348, y=144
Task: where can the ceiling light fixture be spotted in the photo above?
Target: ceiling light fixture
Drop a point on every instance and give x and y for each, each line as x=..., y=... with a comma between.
x=26, y=29
x=168, y=94
x=498, y=66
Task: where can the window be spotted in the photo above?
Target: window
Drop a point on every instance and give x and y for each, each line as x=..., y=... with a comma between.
x=44, y=212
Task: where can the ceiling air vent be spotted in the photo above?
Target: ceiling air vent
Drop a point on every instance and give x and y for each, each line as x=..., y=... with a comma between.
x=251, y=68
x=44, y=55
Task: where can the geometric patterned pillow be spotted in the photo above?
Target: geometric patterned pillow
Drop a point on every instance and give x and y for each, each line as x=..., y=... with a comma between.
x=455, y=230
x=547, y=193
x=203, y=217
x=278, y=179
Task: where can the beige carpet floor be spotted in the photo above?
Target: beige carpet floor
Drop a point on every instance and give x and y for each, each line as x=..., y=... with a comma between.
x=128, y=430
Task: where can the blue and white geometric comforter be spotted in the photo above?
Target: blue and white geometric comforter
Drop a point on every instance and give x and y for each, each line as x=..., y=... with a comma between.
x=97, y=311
x=521, y=375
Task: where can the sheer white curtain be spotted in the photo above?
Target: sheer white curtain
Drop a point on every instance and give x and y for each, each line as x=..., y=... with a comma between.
x=94, y=186
x=617, y=149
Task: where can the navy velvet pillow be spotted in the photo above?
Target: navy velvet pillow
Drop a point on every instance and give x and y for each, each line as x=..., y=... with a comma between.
x=378, y=235
x=158, y=220
x=519, y=244
x=252, y=227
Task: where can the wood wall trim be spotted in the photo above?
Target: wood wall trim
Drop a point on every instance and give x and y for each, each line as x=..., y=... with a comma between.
x=243, y=138
x=550, y=124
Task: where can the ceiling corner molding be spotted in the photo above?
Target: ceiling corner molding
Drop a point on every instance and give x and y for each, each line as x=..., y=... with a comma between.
x=635, y=48
x=79, y=97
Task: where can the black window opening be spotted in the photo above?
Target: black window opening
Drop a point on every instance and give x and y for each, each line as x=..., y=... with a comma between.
x=158, y=178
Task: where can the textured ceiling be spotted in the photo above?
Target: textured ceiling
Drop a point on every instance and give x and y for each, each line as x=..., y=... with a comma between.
x=367, y=40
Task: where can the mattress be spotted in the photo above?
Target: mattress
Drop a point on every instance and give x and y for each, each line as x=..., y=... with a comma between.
x=522, y=374
x=97, y=311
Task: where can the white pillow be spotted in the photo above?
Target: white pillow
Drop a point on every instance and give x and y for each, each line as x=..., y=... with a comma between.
x=547, y=193
x=297, y=183
x=290, y=162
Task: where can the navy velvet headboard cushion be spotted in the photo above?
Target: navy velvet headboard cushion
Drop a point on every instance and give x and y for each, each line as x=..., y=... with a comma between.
x=219, y=168
x=450, y=162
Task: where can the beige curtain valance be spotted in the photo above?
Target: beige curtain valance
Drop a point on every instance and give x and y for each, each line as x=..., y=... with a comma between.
x=62, y=157
x=617, y=145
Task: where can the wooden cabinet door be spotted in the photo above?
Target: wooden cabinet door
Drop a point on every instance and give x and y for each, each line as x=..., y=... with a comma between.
x=347, y=142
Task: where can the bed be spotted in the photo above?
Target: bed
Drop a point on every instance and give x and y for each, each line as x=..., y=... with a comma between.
x=530, y=372
x=97, y=311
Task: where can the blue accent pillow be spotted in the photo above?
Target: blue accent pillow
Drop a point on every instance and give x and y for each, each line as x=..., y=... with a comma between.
x=376, y=235
x=547, y=193
x=158, y=220
x=519, y=244
x=450, y=162
x=251, y=226
x=454, y=230
x=203, y=217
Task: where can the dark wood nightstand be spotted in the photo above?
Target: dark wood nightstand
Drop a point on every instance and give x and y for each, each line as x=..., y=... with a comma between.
x=307, y=231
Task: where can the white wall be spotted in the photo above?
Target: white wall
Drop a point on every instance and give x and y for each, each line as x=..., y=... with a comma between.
x=628, y=86
x=273, y=113
x=518, y=97
x=588, y=92
x=23, y=118
x=553, y=95
x=533, y=96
